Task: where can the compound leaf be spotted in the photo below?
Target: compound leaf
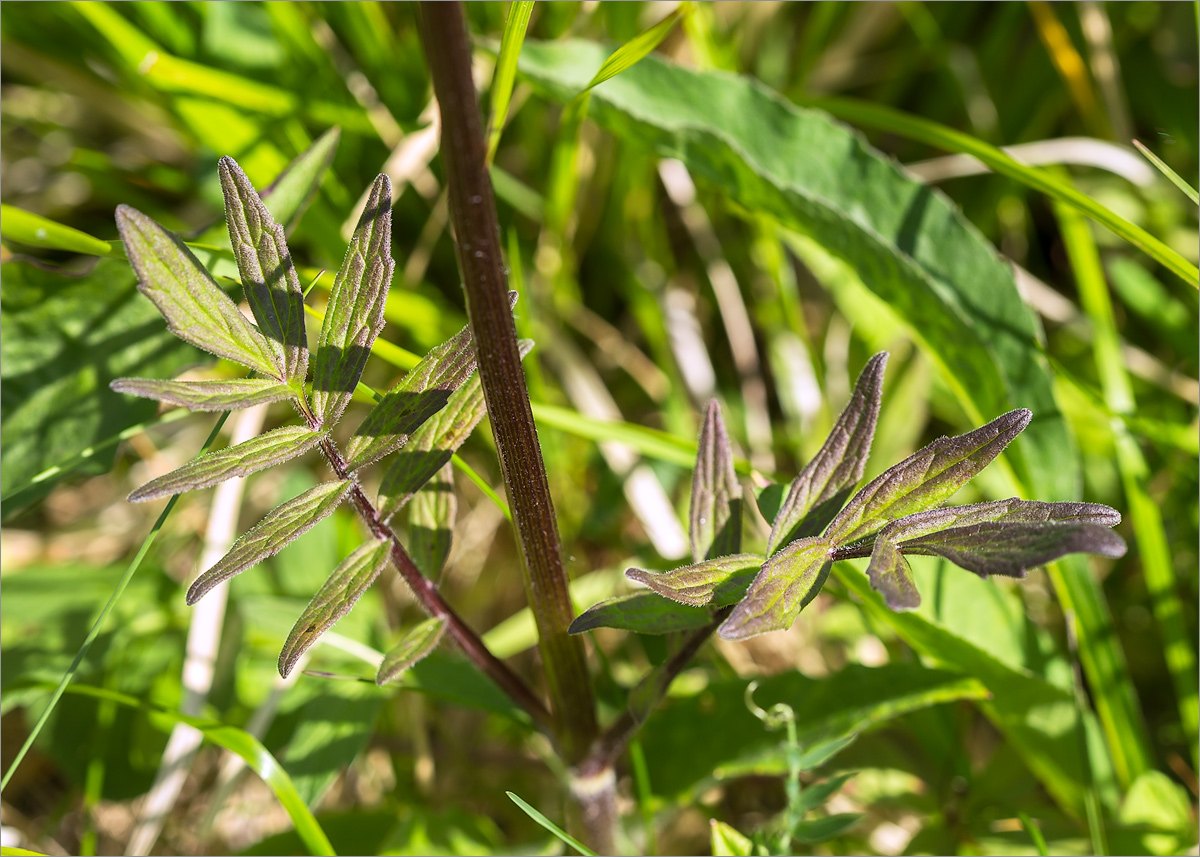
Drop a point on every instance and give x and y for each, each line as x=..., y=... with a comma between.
x=415, y=646
x=334, y=599
x=434, y=443
x=926, y=478
x=269, y=536
x=354, y=314
x=719, y=582
x=196, y=309
x=217, y=395
x=419, y=395
x=1011, y=549
x=819, y=491
x=253, y=455
x=716, y=512
x=268, y=274
x=787, y=582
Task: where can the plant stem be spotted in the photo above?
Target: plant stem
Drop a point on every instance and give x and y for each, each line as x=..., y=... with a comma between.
x=427, y=594
x=473, y=215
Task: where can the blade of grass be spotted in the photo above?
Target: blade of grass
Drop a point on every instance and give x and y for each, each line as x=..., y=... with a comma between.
x=506, y=70
x=244, y=744
x=99, y=623
x=1144, y=512
x=935, y=134
x=1175, y=178
x=551, y=826
x=1035, y=833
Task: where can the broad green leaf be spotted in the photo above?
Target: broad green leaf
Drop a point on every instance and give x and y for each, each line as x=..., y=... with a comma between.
x=412, y=648
x=727, y=841
x=716, y=511
x=906, y=241
x=819, y=491
x=928, y=477
x=266, y=538
x=354, y=314
x=62, y=341
x=25, y=227
x=824, y=829
x=196, y=309
x=433, y=444
x=223, y=395
x=431, y=523
x=717, y=582
x=1011, y=549
x=334, y=599
x=416, y=397
x=267, y=271
x=251, y=456
x=643, y=612
x=785, y=584
x=711, y=736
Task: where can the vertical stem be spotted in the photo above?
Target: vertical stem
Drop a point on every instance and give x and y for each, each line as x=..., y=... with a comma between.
x=473, y=215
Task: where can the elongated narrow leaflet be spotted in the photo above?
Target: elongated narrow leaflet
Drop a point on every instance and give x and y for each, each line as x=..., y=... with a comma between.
x=228, y=395
x=716, y=513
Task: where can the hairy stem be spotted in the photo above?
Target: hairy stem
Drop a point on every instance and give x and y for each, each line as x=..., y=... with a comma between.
x=427, y=595
x=473, y=215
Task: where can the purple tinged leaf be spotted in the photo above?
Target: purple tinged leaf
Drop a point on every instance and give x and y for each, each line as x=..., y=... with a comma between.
x=1012, y=510
x=196, y=309
x=253, y=455
x=207, y=395
x=418, y=396
x=642, y=612
x=719, y=582
x=1011, y=549
x=281, y=526
x=334, y=599
x=926, y=478
x=716, y=513
x=785, y=584
x=416, y=645
x=268, y=273
x=434, y=443
x=818, y=492
x=891, y=576
x=354, y=315
x=431, y=522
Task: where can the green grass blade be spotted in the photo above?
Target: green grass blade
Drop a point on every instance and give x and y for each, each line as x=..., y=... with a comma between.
x=551, y=826
x=1175, y=178
x=1146, y=516
x=1035, y=833
x=99, y=623
x=915, y=128
x=506, y=70
x=638, y=47
x=241, y=743
x=25, y=227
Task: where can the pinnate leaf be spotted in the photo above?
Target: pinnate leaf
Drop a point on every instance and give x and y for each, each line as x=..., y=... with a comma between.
x=927, y=477
x=245, y=458
x=431, y=522
x=642, y=612
x=354, y=315
x=787, y=582
x=819, y=491
x=1011, y=549
x=196, y=309
x=228, y=395
x=716, y=513
x=334, y=599
x=416, y=397
x=718, y=582
x=434, y=443
x=268, y=273
x=269, y=536
x=416, y=645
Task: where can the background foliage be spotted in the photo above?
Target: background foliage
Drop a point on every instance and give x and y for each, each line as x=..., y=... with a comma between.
x=763, y=261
